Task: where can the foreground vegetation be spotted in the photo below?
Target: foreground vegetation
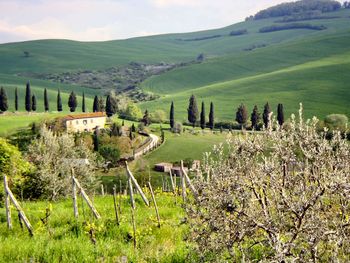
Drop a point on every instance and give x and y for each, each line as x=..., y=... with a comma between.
x=64, y=239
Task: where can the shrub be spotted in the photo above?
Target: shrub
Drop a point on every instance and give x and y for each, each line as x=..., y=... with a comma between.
x=239, y=32
x=290, y=27
x=279, y=196
x=336, y=122
x=110, y=153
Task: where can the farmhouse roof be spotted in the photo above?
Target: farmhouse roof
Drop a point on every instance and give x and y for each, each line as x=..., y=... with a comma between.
x=85, y=116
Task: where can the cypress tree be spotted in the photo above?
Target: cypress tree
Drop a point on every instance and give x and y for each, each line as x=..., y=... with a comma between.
x=96, y=106
x=16, y=99
x=211, y=116
x=172, y=120
x=131, y=135
x=266, y=114
x=72, y=102
x=146, y=119
x=280, y=114
x=111, y=107
x=33, y=103
x=255, y=117
x=46, y=100
x=101, y=104
x=96, y=140
x=28, y=99
x=59, y=101
x=133, y=129
x=203, y=116
x=83, y=107
x=192, y=111
x=242, y=115
x=3, y=100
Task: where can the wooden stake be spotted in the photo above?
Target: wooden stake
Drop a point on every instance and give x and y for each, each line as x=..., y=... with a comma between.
x=134, y=181
x=102, y=190
x=75, y=205
x=133, y=225
x=86, y=198
x=7, y=204
x=172, y=181
x=154, y=202
x=188, y=180
x=18, y=207
x=183, y=186
x=115, y=205
x=131, y=193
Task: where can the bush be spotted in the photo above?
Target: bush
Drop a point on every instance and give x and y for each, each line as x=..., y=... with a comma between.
x=178, y=128
x=110, y=153
x=279, y=196
x=336, y=122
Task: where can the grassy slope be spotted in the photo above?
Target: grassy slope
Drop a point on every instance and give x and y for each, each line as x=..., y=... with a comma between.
x=311, y=69
x=65, y=239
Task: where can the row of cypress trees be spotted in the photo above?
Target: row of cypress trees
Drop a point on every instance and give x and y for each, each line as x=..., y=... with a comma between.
x=31, y=103
x=241, y=115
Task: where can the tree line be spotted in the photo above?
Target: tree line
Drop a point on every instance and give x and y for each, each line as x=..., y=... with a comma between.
x=194, y=116
x=99, y=105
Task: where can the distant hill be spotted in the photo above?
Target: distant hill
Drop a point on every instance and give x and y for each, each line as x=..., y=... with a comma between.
x=230, y=65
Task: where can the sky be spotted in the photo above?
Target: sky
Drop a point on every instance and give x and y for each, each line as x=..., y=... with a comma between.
x=100, y=20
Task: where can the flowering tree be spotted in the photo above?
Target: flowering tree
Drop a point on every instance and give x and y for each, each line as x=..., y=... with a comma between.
x=280, y=196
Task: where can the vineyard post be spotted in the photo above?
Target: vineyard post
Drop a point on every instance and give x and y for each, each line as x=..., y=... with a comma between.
x=154, y=202
x=115, y=205
x=75, y=205
x=134, y=181
x=7, y=204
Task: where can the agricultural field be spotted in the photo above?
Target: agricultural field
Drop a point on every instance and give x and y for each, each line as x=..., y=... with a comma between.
x=65, y=239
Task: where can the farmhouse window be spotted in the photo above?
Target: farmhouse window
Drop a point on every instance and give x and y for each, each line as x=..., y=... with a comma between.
x=77, y=122
x=92, y=121
x=84, y=122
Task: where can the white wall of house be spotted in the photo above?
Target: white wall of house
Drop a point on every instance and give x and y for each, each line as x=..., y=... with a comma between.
x=86, y=124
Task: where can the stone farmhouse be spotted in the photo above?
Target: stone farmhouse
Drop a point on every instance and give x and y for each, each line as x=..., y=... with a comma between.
x=85, y=122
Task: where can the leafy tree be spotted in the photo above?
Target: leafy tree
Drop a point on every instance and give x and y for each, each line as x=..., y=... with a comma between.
x=203, y=116
x=110, y=153
x=12, y=162
x=96, y=105
x=33, y=103
x=280, y=114
x=59, y=101
x=46, y=100
x=83, y=106
x=242, y=115
x=158, y=116
x=16, y=99
x=3, y=100
x=211, y=116
x=133, y=112
x=192, y=111
x=111, y=107
x=171, y=118
x=72, y=102
x=28, y=99
x=146, y=119
x=255, y=117
x=266, y=114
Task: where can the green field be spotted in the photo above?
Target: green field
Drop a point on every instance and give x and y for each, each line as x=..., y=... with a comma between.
x=65, y=239
x=288, y=67
x=185, y=146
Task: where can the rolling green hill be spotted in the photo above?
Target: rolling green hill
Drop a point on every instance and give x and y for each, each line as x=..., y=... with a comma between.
x=286, y=66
